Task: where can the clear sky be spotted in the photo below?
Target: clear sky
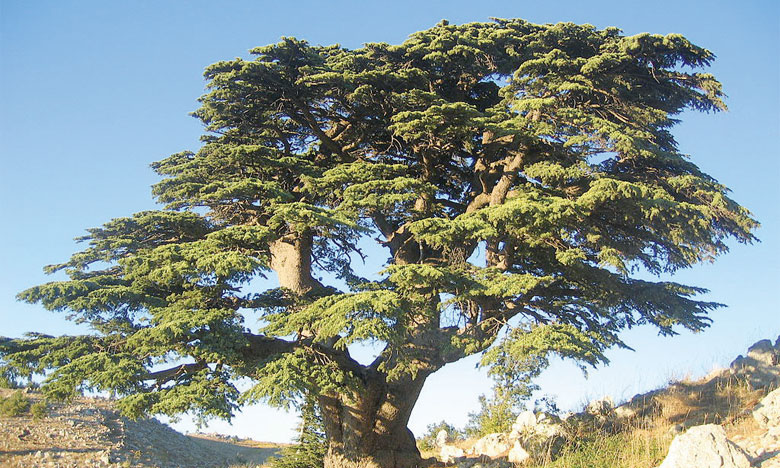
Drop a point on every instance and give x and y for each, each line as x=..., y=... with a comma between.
x=91, y=92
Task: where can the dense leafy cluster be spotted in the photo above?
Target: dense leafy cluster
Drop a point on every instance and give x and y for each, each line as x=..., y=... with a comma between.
x=515, y=177
x=14, y=405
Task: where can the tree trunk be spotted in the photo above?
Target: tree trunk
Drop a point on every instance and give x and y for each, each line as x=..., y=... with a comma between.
x=367, y=429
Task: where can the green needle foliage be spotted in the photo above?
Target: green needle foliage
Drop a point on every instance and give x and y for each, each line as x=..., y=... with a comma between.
x=515, y=177
x=14, y=405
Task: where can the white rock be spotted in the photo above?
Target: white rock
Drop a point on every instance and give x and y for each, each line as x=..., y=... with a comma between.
x=525, y=421
x=492, y=445
x=761, y=366
x=602, y=406
x=704, y=447
x=763, y=352
x=449, y=453
x=441, y=438
x=518, y=454
x=767, y=412
x=626, y=412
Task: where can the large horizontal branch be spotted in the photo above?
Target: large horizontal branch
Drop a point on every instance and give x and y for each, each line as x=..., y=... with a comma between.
x=170, y=374
x=263, y=347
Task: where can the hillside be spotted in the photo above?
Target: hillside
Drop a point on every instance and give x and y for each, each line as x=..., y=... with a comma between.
x=728, y=419
x=88, y=432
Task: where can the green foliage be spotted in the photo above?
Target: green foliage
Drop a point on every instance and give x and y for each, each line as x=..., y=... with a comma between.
x=311, y=445
x=428, y=440
x=515, y=177
x=14, y=405
x=39, y=410
x=496, y=414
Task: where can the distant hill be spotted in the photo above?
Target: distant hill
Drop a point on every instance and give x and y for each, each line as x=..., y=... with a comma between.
x=89, y=432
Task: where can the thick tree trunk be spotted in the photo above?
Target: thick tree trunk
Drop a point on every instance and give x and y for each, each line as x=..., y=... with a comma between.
x=291, y=259
x=365, y=428
x=368, y=429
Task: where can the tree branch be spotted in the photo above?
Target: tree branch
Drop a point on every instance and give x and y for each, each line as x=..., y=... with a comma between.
x=165, y=375
x=263, y=347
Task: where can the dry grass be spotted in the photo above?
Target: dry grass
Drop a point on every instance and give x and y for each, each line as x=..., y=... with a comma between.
x=724, y=400
x=644, y=442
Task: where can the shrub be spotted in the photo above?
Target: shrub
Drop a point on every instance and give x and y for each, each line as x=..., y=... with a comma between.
x=15, y=405
x=39, y=410
x=494, y=415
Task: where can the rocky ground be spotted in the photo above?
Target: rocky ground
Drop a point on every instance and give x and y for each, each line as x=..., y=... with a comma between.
x=88, y=432
x=728, y=419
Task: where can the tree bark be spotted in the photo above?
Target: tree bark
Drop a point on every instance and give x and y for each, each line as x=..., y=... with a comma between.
x=291, y=260
x=367, y=429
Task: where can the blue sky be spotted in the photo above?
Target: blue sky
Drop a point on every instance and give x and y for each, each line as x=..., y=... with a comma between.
x=91, y=92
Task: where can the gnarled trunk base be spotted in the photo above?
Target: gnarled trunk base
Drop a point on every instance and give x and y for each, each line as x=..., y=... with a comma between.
x=405, y=456
x=368, y=429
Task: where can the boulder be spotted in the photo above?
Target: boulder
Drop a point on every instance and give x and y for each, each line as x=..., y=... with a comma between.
x=603, y=407
x=704, y=447
x=518, y=454
x=764, y=352
x=767, y=412
x=529, y=424
x=526, y=421
x=449, y=453
x=539, y=435
x=442, y=438
x=761, y=366
x=492, y=445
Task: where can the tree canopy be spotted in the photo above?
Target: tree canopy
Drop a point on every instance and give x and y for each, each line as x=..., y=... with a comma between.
x=514, y=177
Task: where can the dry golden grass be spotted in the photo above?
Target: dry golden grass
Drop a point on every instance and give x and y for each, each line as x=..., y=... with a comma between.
x=644, y=442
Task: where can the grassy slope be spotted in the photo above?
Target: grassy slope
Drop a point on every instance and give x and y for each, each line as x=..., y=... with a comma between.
x=644, y=443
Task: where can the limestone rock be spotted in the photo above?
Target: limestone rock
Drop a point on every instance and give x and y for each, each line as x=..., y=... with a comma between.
x=538, y=435
x=763, y=352
x=601, y=407
x=492, y=445
x=529, y=424
x=704, y=447
x=767, y=412
x=518, y=454
x=442, y=438
x=449, y=453
x=525, y=421
x=761, y=366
